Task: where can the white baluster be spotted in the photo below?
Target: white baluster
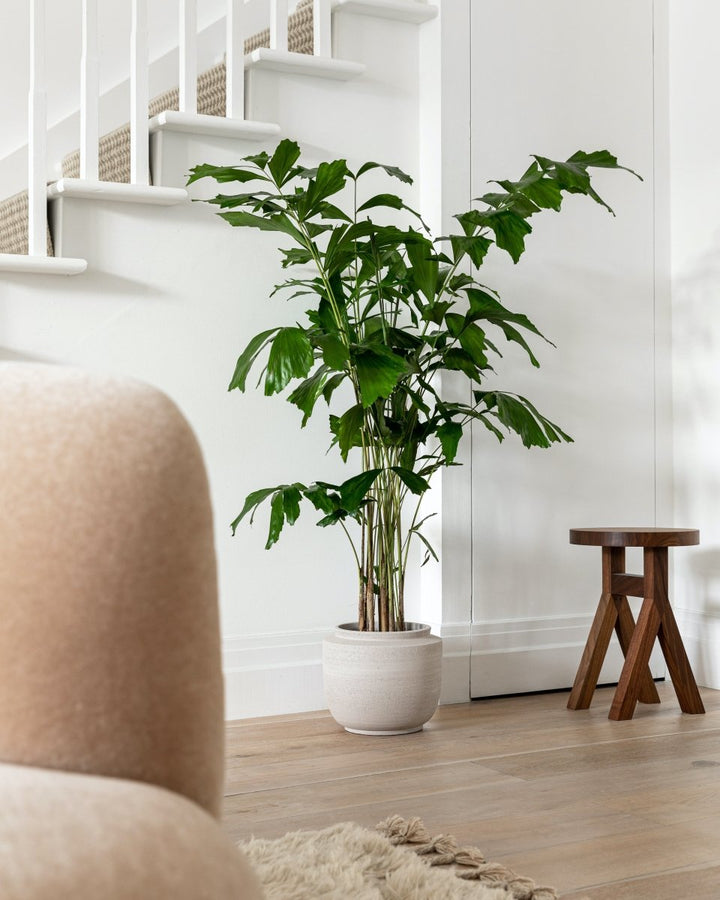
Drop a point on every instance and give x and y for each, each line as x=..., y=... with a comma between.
x=322, y=31
x=188, y=56
x=89, y=92
x=235, y=61
x=37, y=134
x=278, y=25
x=139, y=147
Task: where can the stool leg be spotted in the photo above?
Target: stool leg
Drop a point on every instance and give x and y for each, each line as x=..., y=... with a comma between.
x=593, y=655
x=636, y=661
x=613, y=560
x=655, y=579
x=625, y=626
x=677, y=662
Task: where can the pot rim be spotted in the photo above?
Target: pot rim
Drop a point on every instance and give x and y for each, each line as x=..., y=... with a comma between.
x=411, y=630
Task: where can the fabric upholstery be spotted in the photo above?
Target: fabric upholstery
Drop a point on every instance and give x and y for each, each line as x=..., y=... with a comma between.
x=109, y=643
x=111, y=710
x=81, y=837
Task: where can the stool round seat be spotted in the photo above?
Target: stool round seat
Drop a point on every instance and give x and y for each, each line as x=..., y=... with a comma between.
x=635, y=537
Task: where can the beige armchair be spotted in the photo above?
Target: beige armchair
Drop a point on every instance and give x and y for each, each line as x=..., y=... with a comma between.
x=111, y=712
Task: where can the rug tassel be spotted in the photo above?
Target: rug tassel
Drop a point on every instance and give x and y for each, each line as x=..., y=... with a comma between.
x=401, y=831
x=443, y=850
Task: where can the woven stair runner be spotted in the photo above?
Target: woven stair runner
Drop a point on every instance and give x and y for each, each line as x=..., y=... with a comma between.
x=114, y=148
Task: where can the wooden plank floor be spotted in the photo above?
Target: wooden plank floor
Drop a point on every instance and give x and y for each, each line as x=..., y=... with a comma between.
x=600, y=809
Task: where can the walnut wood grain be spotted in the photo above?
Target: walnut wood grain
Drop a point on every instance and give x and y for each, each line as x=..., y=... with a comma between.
x=655, y=616
x=625, y=585
x=638, y=656
x=593, y=655
x=635, y=537
x=677, y=662
x=656, y=620
x=625, y=627
x=613, y=612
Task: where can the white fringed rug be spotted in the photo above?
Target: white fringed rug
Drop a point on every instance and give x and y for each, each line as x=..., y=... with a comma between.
x=399, y=860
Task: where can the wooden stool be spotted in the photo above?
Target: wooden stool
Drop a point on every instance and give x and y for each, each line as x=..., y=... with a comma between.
x=656, y=619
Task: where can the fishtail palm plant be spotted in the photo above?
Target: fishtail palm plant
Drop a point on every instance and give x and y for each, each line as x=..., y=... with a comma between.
x=391, y=309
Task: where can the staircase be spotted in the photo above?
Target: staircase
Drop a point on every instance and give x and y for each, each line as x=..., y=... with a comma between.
x=114, y=148
x=169, y=294
x=297, y=43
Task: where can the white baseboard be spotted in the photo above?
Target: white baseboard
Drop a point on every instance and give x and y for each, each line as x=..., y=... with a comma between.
x=701, y=636
x=274, y=674
x=516, y=656
x=456, y=661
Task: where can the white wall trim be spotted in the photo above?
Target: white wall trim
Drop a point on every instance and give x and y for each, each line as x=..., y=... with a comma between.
x=272, y=649
x=505, y=650
x=662, y=293
x=272, y=674
x=281, y=672
x=456, y=638
x=701, y=636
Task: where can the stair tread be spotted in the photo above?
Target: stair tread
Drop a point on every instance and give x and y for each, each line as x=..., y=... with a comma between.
x=197, y=123
x=112, y=190
x=41, y=265
x=302, y=64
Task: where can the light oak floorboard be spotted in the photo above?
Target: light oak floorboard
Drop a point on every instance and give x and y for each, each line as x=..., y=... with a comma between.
x=623, y=810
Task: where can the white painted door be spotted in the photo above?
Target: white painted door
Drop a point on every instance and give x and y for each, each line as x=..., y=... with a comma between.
x=551, y=78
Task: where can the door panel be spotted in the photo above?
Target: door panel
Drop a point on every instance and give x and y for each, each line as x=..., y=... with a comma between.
x=551, y=78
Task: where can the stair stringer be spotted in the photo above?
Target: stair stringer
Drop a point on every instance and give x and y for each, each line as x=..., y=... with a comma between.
x=171, y=296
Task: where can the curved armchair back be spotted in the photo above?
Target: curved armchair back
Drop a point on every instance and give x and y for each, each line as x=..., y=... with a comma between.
x=109, y=641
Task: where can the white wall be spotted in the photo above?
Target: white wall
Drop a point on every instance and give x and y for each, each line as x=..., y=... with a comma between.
x=695, y=179
x=588, y=280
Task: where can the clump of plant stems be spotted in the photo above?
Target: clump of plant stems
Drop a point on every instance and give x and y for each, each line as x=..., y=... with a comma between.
x=390, y=310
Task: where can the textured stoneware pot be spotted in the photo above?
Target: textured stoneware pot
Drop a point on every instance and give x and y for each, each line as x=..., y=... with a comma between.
x=382, y=682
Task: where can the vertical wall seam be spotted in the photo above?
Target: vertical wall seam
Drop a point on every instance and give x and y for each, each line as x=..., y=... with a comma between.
x=471, y=598
x=655, y=264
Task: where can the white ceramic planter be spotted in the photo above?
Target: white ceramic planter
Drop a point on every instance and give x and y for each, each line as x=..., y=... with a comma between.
x=382, y=682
